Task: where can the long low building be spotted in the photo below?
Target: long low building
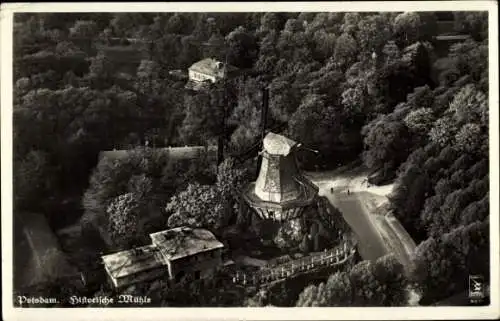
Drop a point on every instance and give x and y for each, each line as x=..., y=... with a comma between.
x=177, y=254
x=175, y=153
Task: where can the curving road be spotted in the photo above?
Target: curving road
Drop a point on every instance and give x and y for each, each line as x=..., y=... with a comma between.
x=362, y=207
x=371, y=244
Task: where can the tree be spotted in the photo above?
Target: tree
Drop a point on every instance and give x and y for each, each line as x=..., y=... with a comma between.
x=443, y=131
x=267, y=55
x=469, y=105
x=147, y=173
x=346, y=50
x=420, y=121
x=393, y=277
x=470, y=58
x=407, y=199
x=324, y=45
x=469, y=137
x=294, y=48
x=202, y=121
x=391, y=52
x=392, y=83
x=339, y=290
x=386, y=142
x=354, y=100
x=126, y=24
x=272, y=21
x=123, y=213
x=148, y=78
x=351, y=21
x=178, y=24
x=473, y=23
x=209, y=206
x=246, y=115
x=365, y=285
x=242, y=48
x=231, y=178
x=476, y=211
x=308, y=297
x=313, y=122
x=407, y=27
x=84, y=32
x=421, y=97
x=441, y=264
x=293, y=26
x=32, y=180
x=379, y=283
x=284, y=98
x=101, y=71
x=373, y=33
x=258, y=300
x=197, y=206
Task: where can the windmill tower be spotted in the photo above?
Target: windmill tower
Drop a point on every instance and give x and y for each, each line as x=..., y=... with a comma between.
x=281, y=192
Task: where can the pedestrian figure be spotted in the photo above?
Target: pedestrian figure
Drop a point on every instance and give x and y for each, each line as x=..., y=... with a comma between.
x=348, y=192
x=331, y=190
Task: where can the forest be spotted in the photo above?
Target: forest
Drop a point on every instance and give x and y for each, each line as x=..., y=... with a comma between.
x=374, y=86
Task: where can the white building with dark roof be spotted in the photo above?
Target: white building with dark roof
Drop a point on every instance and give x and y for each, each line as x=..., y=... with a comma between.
x=177, y=254
x=208, y=70
x=135, y=265
x=189, y=253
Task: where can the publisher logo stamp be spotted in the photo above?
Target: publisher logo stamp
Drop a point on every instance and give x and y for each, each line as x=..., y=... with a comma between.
x=476, y=288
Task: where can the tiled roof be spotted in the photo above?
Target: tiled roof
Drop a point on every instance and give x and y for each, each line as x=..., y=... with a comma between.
x=167, y=245
x=180, y=242
x=133, y=261
x=210, y=66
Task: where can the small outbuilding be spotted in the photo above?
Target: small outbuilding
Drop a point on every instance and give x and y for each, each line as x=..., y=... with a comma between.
x=178, y=254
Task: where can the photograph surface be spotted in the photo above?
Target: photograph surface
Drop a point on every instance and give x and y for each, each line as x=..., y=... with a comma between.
x=288, y=158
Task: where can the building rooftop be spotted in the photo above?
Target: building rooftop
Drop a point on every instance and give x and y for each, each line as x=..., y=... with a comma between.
x=210, y=66
x=180, y=242
x=277, y=144
x=133, y=261
x=186, y=152
x=452, y=37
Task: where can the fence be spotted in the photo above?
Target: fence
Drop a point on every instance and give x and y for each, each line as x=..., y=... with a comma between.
x=337, y=256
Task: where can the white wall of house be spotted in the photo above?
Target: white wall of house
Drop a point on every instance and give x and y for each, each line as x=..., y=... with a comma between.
x=197, y=76
x=141, y=276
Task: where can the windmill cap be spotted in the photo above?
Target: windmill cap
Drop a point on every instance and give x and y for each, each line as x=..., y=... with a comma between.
x=278, y=145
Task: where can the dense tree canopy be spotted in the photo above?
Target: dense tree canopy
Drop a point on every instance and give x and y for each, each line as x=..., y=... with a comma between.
x=209, y=206
x=380, y=283
x=379, y=86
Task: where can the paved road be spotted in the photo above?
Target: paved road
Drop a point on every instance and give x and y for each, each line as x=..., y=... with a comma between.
x=371, y=244
x=377, y=234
